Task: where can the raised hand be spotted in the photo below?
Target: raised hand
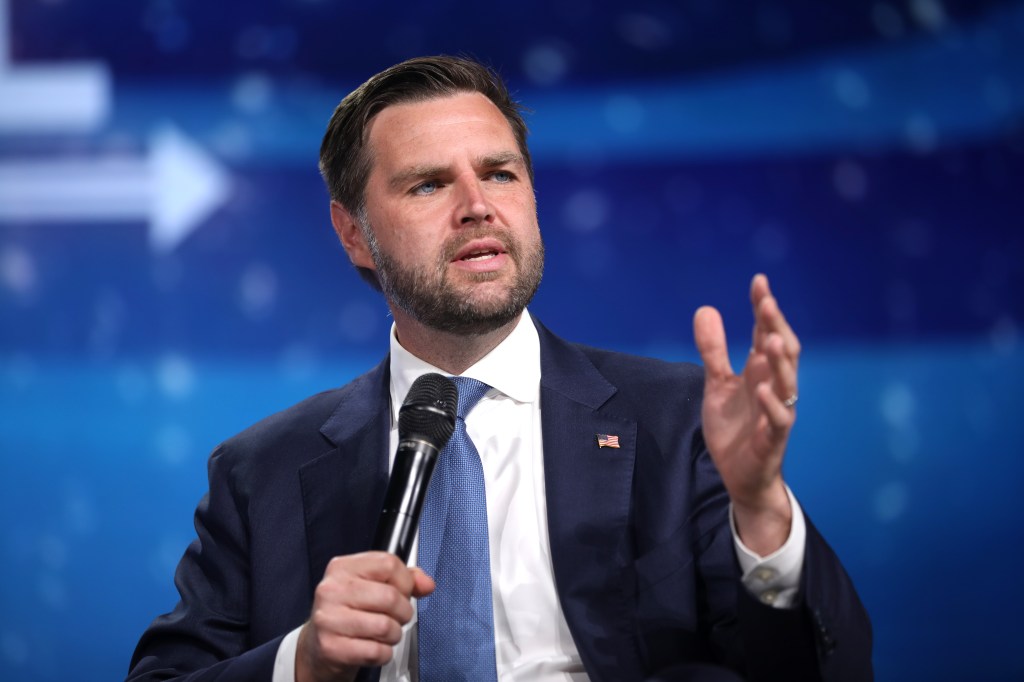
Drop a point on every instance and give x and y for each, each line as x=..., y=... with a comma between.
x=747, y=417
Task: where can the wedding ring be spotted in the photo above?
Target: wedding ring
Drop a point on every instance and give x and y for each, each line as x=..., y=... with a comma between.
x=791, y=400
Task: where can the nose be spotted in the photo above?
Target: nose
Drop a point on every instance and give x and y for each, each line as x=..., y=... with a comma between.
x=474, y=206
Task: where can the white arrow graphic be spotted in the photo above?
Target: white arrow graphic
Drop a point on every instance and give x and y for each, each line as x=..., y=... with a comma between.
x=175, y=189
x=50, y=98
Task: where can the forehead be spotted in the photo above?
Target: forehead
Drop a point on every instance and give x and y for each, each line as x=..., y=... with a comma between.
x=436, y=125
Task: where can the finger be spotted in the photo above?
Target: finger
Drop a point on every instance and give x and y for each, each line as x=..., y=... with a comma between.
x=757, y=370
x=769, y=319
x=345, y=586
x=423, y=584
x=347, y=652
x=342, y=621
x=361, y=653
x=379, y=567
x=323, y=655
x=780, y=417
x=759, y=289
x=783, y=368
x=374, y=597
x=709, y=334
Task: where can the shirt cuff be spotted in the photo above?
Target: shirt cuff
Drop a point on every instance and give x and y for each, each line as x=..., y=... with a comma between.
x=775, y=579
x=284, y=664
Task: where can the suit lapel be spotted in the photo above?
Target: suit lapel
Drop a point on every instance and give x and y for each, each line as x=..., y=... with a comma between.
x=335, y=486
x=588, y=492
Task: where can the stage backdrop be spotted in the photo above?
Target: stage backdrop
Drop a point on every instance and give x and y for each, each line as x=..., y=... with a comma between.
x=168, y=273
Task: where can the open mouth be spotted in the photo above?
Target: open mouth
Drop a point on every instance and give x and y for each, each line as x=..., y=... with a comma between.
x=486, y=254
x=480, y=250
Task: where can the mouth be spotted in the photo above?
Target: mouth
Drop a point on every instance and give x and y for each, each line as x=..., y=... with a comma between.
x=479, y=251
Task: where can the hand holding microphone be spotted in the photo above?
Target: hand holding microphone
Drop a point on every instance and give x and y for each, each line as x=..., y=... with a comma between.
x=363, y=601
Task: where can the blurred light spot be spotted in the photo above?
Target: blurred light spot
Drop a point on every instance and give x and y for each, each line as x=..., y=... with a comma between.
x=998, y=95
x=624, y=113
x=770, y=243
x=52, y=592
x=684, y=195
x=108, y=321
x=593, y=258
x=913, y=238
x=987, y=40
x=851, y=89
x=173, y=444
x=585, y=211
x=262, y=42
x=901, y=304
x=545, y=64
x=252, y=93
x=929, y=14
x=891, y=501
x=258, y=290
x=14, y=648
x=20, y=371
x=80, y=515
x=18, y=270
x=132, y=384
x=850, y=180
x=904, y=443
x=980, y=410
x=644, y=31
x=166, y=273
x=897, y=405
x=53, y=552
x=232, y=140
x=921, y=133
x=1004, y=336
x=165, y=557
x=887, y=20
x=170, y=32
x=299, y=362
x=175, y=376
x=360, y=321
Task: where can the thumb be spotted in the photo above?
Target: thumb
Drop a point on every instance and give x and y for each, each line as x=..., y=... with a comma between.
x=422, y=584
x=709, y=335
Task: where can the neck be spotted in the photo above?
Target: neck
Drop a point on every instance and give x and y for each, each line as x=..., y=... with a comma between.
x=453, y=353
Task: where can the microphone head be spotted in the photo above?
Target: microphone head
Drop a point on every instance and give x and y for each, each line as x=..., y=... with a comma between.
x=429, y=410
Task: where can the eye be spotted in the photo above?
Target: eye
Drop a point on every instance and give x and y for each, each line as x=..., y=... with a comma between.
x=502, y=177
x=428, y=187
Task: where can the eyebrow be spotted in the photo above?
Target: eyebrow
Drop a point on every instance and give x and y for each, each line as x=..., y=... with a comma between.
x=424, y=171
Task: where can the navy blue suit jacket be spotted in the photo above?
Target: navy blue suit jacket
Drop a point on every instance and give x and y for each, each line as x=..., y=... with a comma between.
x=643, y=558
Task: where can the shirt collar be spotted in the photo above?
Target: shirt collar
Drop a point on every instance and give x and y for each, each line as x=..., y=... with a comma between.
x=512, y=367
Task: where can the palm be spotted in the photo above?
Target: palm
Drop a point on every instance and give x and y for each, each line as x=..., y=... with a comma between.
x=745, y=448
x=745, y=416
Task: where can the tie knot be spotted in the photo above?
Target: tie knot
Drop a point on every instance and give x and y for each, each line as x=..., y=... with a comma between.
x=470, y=393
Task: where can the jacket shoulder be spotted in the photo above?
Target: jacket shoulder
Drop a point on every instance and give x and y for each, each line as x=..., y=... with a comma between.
x=301, y=432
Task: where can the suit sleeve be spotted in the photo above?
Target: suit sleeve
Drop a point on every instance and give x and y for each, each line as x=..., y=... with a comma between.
x=825, y=636
x=207, y=635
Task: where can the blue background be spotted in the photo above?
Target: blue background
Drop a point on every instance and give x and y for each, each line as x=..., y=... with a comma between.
x=869, y=156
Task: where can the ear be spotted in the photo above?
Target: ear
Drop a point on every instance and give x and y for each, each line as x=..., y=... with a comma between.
x=351, y=236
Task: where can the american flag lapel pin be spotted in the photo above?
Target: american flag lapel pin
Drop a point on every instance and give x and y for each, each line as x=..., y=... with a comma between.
x=607, y=440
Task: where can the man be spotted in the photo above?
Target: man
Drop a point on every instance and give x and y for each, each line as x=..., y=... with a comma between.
x=638, y=526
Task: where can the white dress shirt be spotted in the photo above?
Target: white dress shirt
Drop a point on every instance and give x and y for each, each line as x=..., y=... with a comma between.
x=532, y=638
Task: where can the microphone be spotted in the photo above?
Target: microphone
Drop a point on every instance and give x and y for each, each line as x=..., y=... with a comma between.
x=425, y=423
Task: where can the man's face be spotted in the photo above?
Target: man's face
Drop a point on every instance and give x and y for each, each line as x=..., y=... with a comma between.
x=450, y=206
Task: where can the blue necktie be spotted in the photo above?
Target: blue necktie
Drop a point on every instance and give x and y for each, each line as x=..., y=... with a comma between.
x=456, y=622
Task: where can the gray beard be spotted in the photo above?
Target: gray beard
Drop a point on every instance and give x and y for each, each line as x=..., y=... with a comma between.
x=428, y=297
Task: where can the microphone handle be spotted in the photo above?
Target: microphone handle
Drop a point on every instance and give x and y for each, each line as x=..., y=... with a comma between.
x=403, y=501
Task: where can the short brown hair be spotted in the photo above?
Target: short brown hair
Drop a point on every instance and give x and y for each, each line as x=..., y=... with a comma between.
x=344, y=158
